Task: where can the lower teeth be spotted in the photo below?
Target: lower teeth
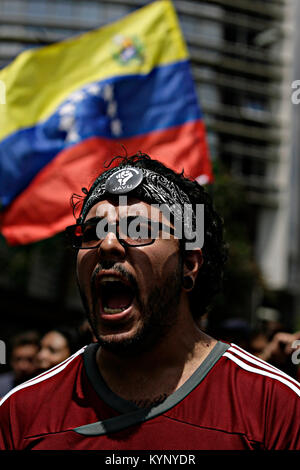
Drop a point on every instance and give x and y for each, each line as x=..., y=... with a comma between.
x=113, y=310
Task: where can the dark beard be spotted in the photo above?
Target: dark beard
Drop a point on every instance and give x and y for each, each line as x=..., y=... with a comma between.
x=160, y=313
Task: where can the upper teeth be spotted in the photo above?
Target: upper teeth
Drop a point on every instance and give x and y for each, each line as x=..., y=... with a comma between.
x=112, y=310
x=108, y=279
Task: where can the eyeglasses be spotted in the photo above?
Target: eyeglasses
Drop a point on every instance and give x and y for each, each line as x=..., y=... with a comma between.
x=130, y=231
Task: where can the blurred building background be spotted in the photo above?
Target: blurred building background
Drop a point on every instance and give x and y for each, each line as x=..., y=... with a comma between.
x=244, y=59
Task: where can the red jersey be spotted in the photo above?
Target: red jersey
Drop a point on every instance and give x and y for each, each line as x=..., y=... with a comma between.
x=233, y=401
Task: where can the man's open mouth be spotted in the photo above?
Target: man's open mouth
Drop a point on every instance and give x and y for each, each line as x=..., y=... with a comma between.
x=115, y=295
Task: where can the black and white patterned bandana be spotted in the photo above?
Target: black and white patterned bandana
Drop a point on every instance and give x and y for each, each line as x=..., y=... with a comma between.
x=146, y=185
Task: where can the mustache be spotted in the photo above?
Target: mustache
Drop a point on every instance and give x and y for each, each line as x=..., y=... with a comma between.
x=118, y=268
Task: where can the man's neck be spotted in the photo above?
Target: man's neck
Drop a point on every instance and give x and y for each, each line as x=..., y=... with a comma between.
x=155, y=374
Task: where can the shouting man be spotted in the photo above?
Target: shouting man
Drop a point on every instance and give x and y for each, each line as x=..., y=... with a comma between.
x=150, y=258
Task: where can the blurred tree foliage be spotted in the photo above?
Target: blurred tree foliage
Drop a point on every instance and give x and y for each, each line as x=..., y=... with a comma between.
x=17, y=261
x=15, y=266
x=242, y=276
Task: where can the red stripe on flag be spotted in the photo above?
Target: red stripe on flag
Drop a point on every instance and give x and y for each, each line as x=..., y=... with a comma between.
x=43, y=208
x=180, y=147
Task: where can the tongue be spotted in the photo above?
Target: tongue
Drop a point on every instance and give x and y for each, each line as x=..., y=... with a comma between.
x=118, y=297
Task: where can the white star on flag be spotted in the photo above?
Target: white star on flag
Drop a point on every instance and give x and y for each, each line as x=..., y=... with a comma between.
x=77, y=96
x=68, y=108
x=93, y=89
x=108, y=92
x=66, y=122
x=116, y=127
x=72, y=135
x=112, y=109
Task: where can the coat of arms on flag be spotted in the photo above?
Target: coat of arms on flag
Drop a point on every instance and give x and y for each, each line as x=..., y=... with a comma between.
x=127, y=49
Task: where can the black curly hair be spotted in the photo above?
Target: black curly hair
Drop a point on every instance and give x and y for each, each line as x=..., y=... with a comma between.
x=214, y=250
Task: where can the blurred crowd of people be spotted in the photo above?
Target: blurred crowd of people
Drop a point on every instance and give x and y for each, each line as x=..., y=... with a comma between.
x=32, y=353
x=269, y=340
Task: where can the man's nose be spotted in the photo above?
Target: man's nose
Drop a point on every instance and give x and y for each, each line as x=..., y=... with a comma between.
x=111, y=248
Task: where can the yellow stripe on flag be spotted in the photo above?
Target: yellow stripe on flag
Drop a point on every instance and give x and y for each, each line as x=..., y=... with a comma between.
x=38, y=81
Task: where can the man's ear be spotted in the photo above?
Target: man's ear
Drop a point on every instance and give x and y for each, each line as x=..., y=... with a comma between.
x=192, y=262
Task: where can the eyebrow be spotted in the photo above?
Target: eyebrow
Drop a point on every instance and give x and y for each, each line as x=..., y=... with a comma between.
x=129, y=217
x=92, y=219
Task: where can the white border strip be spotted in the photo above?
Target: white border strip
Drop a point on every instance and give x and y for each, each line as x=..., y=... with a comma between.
x=55, y=370
x=245, y=366
x=257, y=361
x=46, y=372
x=248, y=354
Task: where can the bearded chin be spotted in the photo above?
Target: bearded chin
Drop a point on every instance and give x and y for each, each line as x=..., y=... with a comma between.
x=159, y=314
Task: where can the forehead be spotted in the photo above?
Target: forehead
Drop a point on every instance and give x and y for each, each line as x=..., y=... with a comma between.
x=53, y=337
x=125, y=206
x=23, y=349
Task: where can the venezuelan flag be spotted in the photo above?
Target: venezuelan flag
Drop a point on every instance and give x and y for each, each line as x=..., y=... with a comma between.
x=72, y=105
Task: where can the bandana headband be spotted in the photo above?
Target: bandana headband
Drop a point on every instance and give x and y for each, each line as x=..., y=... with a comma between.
x=147, y=185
